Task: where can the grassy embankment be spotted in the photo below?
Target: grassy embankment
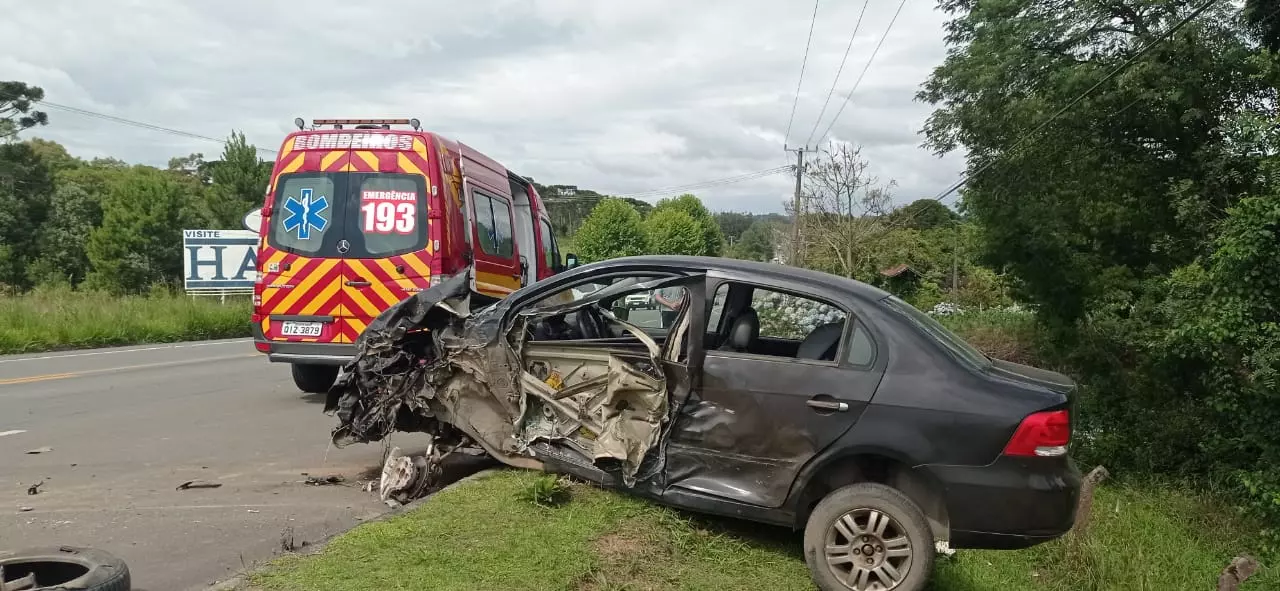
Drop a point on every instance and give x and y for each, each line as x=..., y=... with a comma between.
x=484, y=535
x=55, y=319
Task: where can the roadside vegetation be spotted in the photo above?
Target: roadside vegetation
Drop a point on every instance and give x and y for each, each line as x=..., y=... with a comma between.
x=47, y=319
x=1143, y=537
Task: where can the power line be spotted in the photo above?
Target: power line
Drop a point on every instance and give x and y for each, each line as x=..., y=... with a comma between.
x=138, y=124
x=839, y=70
x=964, y=177
x=812, y=21
x=858, y=82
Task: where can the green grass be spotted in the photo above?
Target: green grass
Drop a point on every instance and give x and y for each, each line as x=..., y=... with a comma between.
x=59, y=318
x=481, y=535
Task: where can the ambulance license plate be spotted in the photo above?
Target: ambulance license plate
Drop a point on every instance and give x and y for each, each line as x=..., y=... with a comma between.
x=291, y=328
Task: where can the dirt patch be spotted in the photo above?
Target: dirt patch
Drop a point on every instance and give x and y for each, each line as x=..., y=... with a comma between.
x=628, y=559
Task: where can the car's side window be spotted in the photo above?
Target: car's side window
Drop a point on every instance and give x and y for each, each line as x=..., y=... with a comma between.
x=780, y=324
x=862, y=350
x=717, y=307
x=652, y=309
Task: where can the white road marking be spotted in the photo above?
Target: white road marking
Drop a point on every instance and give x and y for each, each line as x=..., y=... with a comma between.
x=12, y=432
x=134, y=350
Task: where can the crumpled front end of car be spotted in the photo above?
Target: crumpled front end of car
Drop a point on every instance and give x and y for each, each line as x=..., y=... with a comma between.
x=431, y=364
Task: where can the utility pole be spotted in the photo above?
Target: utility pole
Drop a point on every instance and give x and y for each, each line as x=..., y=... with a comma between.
x=795, y=207
x=955, y=263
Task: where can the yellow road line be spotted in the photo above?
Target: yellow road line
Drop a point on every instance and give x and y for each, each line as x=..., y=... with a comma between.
x=29, y=379
x=74, y=374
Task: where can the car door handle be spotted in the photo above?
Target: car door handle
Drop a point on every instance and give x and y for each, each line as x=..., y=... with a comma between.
x=828, y=405
x=351, y=283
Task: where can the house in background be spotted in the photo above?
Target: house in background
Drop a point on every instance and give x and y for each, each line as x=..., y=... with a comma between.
x=901, y=280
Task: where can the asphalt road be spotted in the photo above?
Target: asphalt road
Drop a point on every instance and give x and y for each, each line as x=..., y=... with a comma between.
x=128, y=425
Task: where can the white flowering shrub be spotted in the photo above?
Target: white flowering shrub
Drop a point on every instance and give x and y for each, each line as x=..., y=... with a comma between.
x=946, y=309
x=791, y=317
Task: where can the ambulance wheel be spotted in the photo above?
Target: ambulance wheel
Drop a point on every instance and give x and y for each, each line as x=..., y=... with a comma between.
x=314, y=379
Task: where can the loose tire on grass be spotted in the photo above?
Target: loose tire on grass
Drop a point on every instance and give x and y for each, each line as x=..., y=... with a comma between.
x=314, y=379
x=868, y=533
x=67, y=567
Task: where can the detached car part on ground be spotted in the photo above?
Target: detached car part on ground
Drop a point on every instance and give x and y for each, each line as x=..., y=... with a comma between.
x=853, y=415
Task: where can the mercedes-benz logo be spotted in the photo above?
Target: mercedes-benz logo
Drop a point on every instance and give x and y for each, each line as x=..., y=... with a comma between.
x=343, y=246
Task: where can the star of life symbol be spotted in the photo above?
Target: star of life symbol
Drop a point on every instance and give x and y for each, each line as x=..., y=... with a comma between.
x=304, y=214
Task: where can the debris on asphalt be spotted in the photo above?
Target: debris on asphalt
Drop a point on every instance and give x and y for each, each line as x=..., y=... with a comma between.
x=324, y=480
x=198, y=484
x=35, y=488
x=40, y=450
x=286, y=539
x=253, y=510
x=25, y=509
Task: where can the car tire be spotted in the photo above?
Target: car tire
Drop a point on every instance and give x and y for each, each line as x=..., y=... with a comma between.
x=866, y=551
x=314, y=379
x=67, y=567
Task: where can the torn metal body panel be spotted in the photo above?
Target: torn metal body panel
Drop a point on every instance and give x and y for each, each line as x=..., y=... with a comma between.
x=428, y=364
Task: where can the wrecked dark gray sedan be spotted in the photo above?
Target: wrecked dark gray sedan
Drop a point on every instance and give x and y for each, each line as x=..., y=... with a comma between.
x=750, y=390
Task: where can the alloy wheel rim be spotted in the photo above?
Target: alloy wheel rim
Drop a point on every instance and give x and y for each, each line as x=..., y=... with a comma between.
x=867, y=550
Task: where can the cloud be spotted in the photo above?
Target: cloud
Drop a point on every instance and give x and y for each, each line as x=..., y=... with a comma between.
x=618, y=97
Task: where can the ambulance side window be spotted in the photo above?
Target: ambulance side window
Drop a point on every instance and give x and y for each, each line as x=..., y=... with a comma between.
x=304, y=212
x=551, y=251
x=493, y=225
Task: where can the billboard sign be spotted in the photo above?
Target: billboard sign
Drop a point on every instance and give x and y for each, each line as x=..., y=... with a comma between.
x=219, y=260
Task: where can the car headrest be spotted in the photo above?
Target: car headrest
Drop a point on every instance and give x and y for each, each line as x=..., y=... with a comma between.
x=745, y=331
x=821, y=344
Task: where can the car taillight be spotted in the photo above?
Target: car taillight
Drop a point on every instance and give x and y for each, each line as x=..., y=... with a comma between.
x=261, y=346
x=1044, y=434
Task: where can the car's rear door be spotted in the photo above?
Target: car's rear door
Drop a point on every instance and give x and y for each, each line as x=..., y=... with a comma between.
x=757, y=418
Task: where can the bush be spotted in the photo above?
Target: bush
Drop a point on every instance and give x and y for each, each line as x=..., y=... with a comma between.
x=672, y=231
x=612, y=230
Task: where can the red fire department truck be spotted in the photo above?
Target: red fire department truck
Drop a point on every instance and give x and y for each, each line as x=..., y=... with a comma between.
x=362, y=213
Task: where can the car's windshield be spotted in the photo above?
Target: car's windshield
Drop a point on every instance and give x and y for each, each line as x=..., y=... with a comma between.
x=938, y=332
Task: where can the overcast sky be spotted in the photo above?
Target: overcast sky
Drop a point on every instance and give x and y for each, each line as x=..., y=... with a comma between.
x=620, y=97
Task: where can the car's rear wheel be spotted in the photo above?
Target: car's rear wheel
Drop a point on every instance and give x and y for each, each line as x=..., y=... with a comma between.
x=314, y=379
x=868, y=536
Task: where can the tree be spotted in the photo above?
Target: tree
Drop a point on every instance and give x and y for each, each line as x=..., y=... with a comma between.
x=672, y=231
x=239, y=180
x=54, y=155
x=25, y=186
x=1123, y=186
x=925, y=214
x=140, y=239
x=845, y=212
x=733, y=224
x=755, y=243
x=16, y=113
x=709, y=230
x=73, y=215
x=613, y=229
x=191, y=166
x=1142, y=222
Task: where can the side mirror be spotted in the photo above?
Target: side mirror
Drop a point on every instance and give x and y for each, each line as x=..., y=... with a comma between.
x=253, y=220
x=570, y=261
